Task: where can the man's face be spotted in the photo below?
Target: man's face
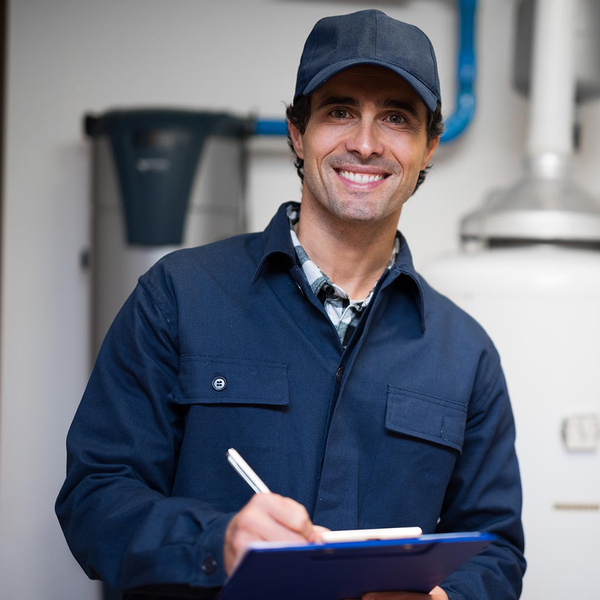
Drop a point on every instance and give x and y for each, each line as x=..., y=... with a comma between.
x=364, y=145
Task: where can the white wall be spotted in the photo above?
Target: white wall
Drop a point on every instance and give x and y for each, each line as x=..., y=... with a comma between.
x=69, y=57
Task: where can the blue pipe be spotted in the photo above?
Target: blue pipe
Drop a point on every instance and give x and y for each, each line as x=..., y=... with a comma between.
x=464, y=112
x=457, y=122
x=266, y=127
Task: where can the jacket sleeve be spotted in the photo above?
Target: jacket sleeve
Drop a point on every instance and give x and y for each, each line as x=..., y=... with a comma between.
x=115, y=506
x=485, y=495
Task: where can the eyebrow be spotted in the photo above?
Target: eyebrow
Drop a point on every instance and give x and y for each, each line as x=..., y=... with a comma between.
x=400, y=105
x=330, y=100
x=349, y=101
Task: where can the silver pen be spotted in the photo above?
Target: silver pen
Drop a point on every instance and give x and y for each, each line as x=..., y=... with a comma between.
x=246, y=472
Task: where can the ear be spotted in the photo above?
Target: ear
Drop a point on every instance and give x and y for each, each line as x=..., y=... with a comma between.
x=296, y=138
x=431, y=148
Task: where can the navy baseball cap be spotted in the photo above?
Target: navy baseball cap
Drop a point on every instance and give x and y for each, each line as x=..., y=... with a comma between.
x=369, y=37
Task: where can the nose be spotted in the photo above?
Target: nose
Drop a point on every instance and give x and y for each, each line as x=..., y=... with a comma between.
x=364, y=139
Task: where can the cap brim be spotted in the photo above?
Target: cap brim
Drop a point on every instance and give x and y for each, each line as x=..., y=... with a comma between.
x=427, y=96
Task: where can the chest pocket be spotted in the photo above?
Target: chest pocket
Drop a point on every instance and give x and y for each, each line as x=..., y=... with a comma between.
x=214, y=380
x=421, y=441
x=229, y=402
x=426, y=417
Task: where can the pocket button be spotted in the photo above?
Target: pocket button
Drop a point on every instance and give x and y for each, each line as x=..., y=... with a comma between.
x=219, y=383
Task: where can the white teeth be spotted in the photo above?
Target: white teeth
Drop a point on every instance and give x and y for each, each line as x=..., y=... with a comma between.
x=358, y=178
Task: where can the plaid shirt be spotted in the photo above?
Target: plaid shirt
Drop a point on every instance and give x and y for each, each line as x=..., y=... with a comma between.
x=343, y=312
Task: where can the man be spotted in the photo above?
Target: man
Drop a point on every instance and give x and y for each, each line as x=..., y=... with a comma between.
x=359, y=394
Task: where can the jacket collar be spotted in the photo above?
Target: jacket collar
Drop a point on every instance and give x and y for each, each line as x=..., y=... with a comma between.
x=277, y=244
x=404, y=266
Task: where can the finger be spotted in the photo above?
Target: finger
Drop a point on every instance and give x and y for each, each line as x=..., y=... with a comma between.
x=288, y=512
x=271, y=530
x=315, y=536
x=320, y=528
x=257, y=522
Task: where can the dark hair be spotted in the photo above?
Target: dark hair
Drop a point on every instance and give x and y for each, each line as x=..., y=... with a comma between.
x=298, y=115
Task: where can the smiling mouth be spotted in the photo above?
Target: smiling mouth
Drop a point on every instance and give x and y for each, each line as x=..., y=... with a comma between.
x=361, y=177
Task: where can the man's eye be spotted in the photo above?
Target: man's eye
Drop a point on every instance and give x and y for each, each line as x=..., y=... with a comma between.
x=396, y=118
x=340, y=113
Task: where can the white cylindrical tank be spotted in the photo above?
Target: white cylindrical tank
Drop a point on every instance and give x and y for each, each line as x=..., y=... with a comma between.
x=540, y=303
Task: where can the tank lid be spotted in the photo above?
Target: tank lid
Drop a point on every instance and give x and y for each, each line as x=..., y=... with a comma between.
x=544, y=206
x=157, y=157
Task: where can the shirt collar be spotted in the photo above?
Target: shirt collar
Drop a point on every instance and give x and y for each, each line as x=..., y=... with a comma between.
x=316, y=278
x=277, y=245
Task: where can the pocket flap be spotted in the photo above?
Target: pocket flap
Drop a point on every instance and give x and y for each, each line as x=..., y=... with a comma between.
x=225, y=380
x=426, y=417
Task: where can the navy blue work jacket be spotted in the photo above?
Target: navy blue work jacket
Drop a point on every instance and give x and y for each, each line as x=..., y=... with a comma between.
x=409, y=425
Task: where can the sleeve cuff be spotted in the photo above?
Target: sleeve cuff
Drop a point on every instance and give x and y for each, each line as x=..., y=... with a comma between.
x=211, y=568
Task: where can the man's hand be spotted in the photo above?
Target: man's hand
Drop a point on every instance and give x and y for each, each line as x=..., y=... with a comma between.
x=267, y=517
x=437, y=593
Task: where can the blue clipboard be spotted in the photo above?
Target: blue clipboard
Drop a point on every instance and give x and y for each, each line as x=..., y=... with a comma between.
x=349, y=569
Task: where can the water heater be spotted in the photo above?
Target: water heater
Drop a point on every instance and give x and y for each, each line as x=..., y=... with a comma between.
x=540, y=303
x=162, y=180
x=529, y=272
